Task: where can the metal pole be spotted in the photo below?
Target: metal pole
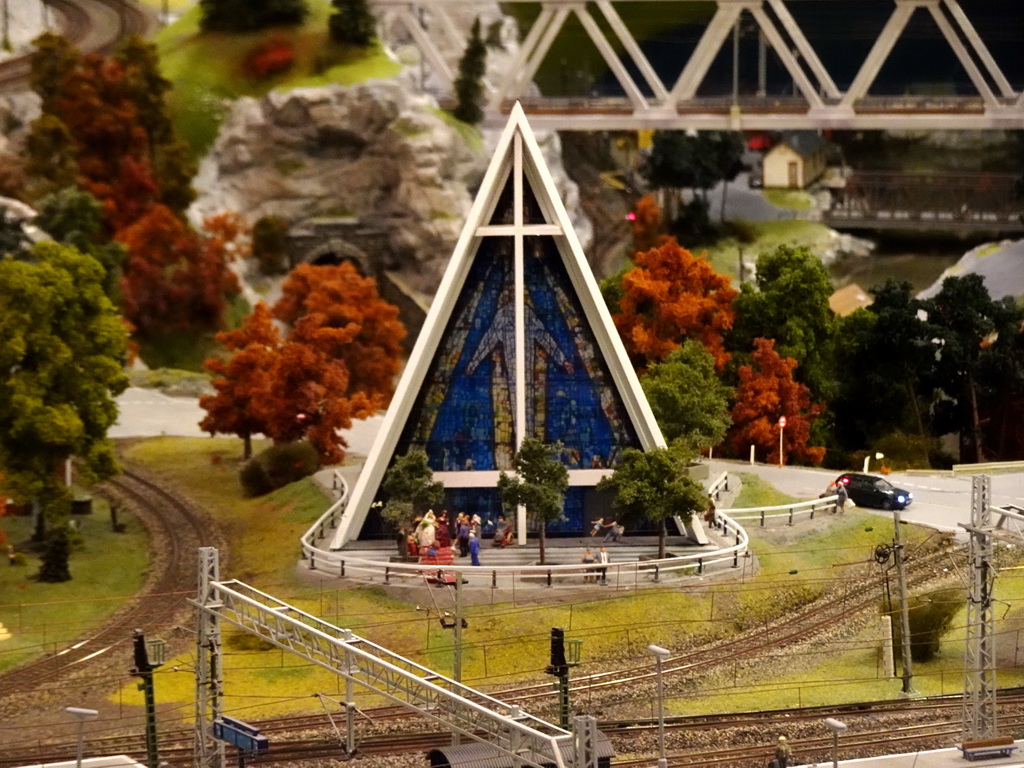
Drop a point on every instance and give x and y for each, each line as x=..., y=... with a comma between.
x=901, y=577
x=662, y=760
x=457, y=657
x=762, y=64
x=781, y=430
x=81, y=736
x=835, y=749
x=736, y=62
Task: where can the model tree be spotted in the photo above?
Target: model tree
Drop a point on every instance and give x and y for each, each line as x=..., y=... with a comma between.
x=651, y=486
x=671, y=295
x=241, y=379
x=360, y=329
x=469, y=85
x=689, y=402
x=60, y=370
x=790, y=305
x=767, y=390
x=352, y=23
x=410, y=486
x=539, y=484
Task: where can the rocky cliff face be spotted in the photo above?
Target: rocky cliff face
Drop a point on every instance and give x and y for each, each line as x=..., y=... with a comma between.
x=377, y=152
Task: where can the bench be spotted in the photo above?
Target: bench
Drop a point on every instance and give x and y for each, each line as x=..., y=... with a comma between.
x=1001, y=746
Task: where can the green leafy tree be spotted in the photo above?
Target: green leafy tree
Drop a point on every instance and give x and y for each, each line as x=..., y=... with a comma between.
x=74, y=218
x=352, y=23
x=978, y=343
x=651, y=486
x=539, y=484
x=689, y=402
x=411, y=488
x=469, y=85
x=247, y=15
x=699, y=161
x=889, y=347
x=52, y=62
x=790, y=305
x=60, y=370
x=51, y=164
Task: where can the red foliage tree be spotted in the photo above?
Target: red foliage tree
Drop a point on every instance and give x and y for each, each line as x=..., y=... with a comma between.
x=766, y=392
x=670, y=296
x=306, y=398
x=647, y=221
x=364, y=330
x=242, y=379
x=173, y=278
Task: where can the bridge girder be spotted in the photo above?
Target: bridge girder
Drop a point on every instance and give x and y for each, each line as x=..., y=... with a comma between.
x=820, y=104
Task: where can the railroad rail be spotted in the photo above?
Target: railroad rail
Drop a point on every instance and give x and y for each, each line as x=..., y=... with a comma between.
x=92, y=26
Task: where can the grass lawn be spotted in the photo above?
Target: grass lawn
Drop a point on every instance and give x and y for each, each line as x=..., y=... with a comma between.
x=794, y=199
x=106, y=569
x=763, y=236
x=207, y=69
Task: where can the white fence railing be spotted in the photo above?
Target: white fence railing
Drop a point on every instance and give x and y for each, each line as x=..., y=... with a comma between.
x=788, y=511
x=625, y=574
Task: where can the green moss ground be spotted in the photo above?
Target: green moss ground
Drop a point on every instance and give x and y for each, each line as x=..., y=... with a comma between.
x=207, y=68
x=107, y=569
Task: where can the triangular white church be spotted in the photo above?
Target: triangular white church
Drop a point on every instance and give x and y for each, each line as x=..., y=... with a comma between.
x=518, y=343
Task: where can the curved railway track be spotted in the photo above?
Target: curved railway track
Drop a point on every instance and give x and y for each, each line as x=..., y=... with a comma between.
x=89, y=25
x=176, y=530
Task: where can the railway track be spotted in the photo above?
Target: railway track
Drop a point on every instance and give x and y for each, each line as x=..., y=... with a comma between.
x=89, y=25
x=176, y=530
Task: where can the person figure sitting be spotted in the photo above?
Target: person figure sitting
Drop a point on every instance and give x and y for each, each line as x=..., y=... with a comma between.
x=499, y=532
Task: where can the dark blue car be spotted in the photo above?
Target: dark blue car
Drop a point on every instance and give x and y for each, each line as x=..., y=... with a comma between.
x=873, y=491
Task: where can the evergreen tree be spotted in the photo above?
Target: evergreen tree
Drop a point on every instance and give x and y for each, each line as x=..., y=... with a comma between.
x=352, y=23
x=54, y=567
x=469, y=86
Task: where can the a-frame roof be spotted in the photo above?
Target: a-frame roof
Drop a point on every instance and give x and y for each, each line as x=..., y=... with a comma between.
x=517, y=162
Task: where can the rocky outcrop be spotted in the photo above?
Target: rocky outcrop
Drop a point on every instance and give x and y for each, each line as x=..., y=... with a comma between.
x=376, y=152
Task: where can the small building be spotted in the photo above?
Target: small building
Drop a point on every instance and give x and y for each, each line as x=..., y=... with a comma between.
x=798, y=159
x=849, y=299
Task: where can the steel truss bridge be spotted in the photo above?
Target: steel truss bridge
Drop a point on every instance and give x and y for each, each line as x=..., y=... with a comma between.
x=651, y=103
x=963, y=202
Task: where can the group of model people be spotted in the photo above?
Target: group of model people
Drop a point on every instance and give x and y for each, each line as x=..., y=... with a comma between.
x=434, y=533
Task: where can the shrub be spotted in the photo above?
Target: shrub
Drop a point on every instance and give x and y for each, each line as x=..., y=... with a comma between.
x=903, y=451
x=270, y=244
x=278, y=466
x=269, y=59
x=930, y=616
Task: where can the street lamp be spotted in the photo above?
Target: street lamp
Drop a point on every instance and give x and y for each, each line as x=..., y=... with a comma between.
x=660, y=654
x=836, y=727
x=82, y=715
x=878, y=455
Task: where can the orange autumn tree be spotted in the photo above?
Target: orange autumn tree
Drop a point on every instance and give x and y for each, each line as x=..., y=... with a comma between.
x=647, y=224
x=306, y=398
x=174, y=279
x=242, y=379
x=669, y=296
x=766, y=392
x=366, y=334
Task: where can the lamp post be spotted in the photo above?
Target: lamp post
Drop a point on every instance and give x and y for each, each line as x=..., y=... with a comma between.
x=82, y=715
x=836, y=727
x=660, y=654
x=878, y=455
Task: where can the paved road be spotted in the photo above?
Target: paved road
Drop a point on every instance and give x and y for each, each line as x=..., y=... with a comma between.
x=940, y=500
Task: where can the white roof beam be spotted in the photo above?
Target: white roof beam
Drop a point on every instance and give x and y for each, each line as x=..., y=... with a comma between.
x=700, y=60
x=427, y=47
x=508, y=87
